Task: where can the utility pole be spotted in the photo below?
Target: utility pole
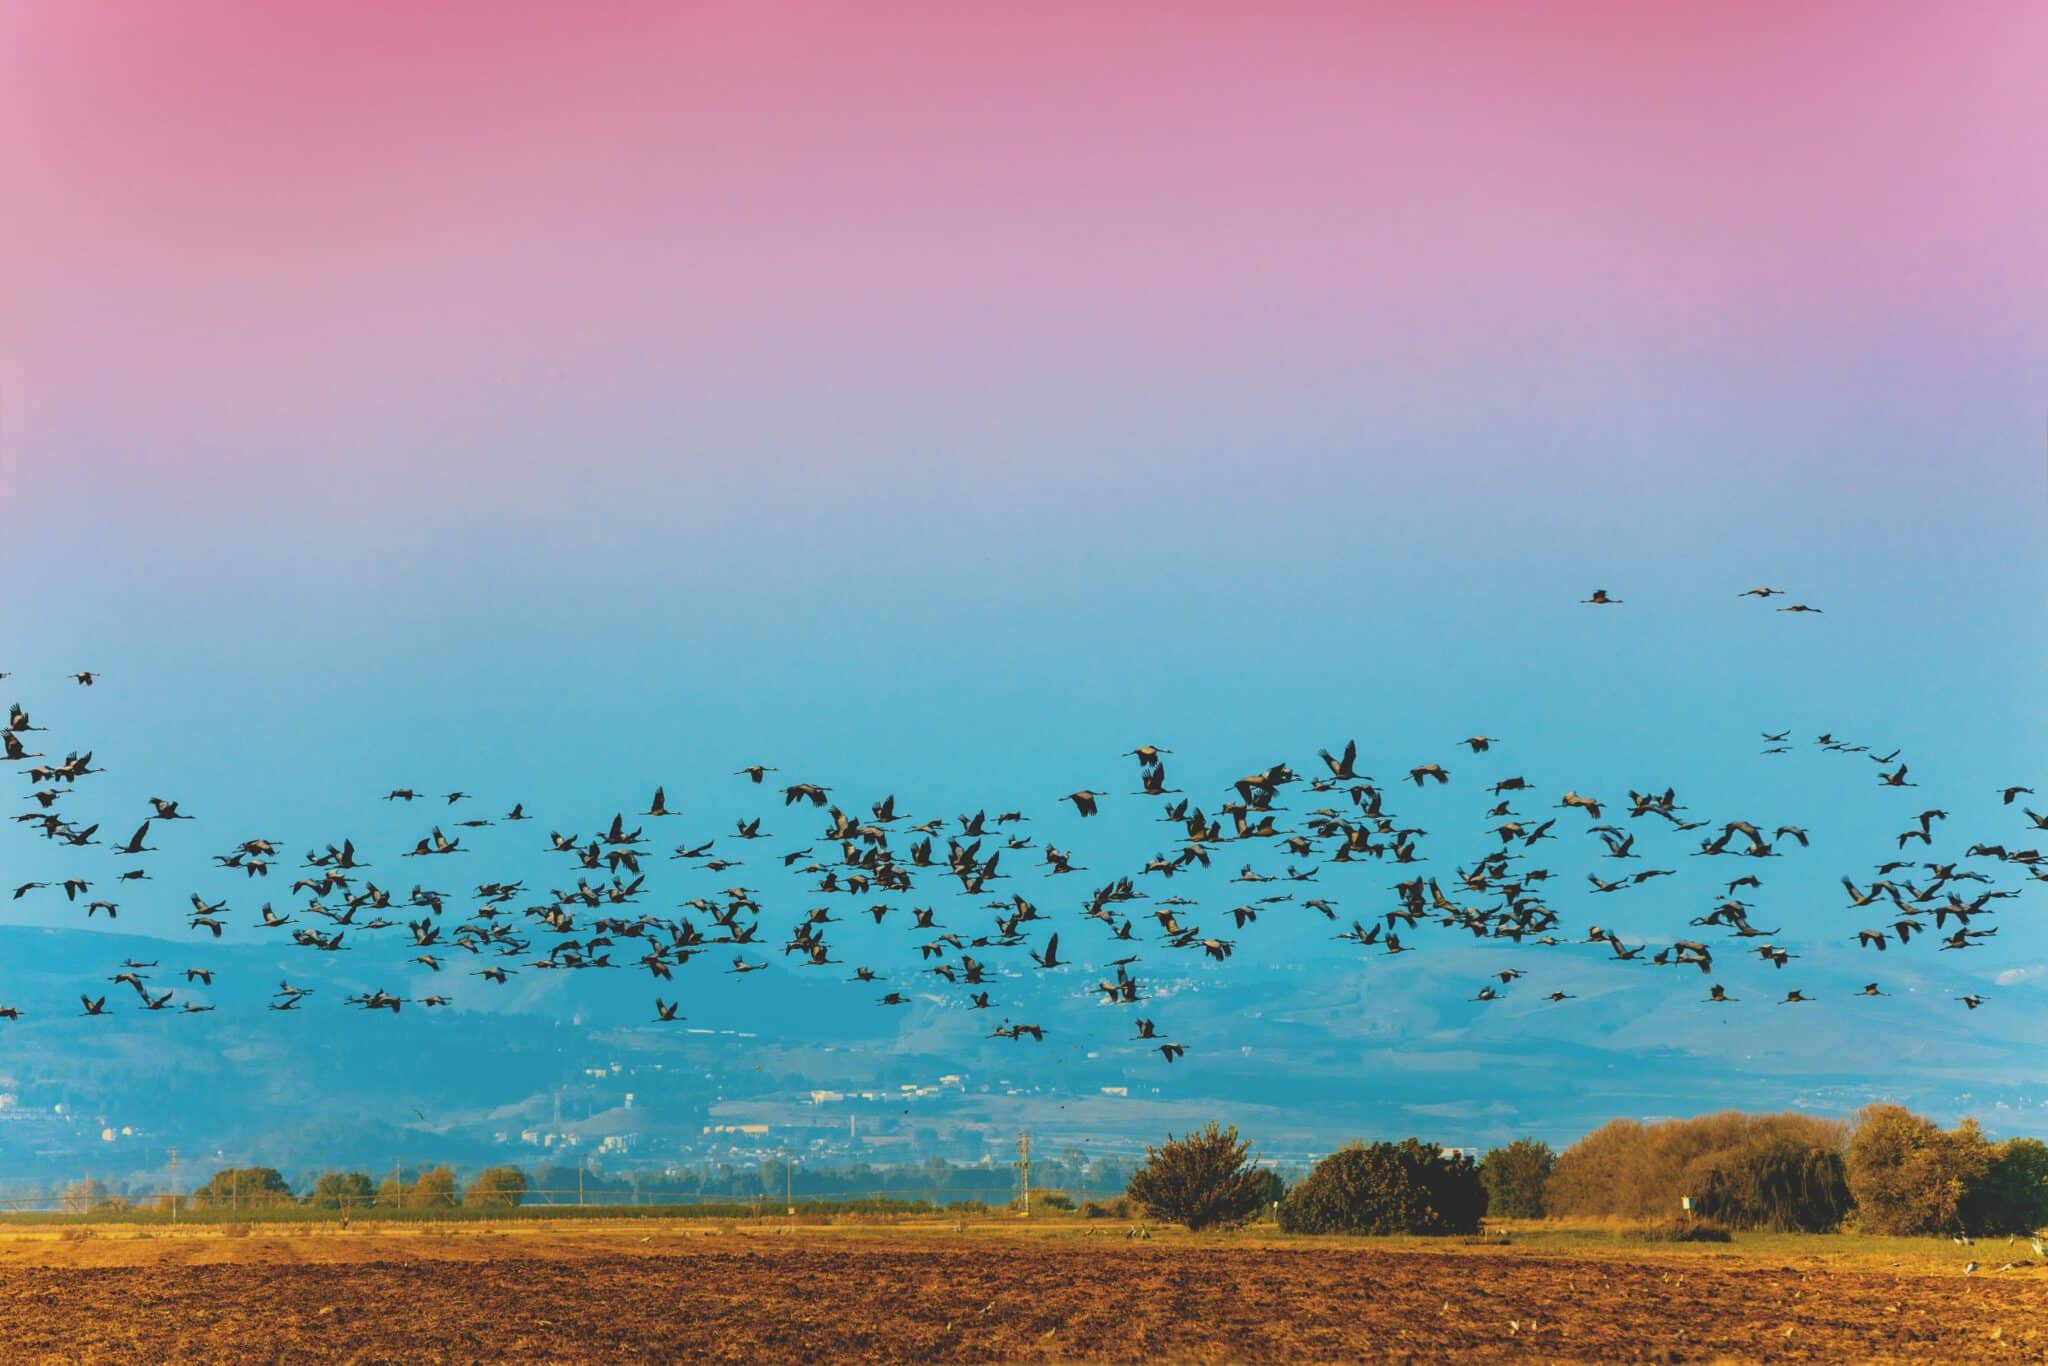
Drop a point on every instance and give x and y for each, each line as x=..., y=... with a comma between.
x=580, y=1160
x=1024, y=1165
x=789, y=1185
x=174, y=1185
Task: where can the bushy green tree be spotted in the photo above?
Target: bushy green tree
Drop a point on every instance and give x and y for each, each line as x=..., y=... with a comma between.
x=1514, y=1177
x=341, y=1190
x=1405, y=1187
x=496, y=1186
x=2012, y=1195
x=1271, y=1188
x=243, y=1188
x=1202, y=1180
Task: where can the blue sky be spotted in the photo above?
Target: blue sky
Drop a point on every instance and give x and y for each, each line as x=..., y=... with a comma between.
x=958, y=488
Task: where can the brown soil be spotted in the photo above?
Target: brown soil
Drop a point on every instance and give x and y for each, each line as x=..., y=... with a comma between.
x=756, y=1295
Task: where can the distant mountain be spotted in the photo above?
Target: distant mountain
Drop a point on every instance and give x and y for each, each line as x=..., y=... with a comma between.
x=1300, y=1056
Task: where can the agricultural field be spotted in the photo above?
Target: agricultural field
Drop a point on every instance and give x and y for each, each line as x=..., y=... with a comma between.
x=931, y=1290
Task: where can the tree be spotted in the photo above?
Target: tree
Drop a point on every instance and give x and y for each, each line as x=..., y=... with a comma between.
x=1740, y=1163
x=243, y=1188
x=81, y=1196
x=341, y=1190
x=554, y=1184
x=436, y=1189
x=1105, y=1174
x=432, y=1189
x=1514, y=1177
x=496, y=1186
x=1405, y=1187
x=2012, y=1195
x=1908, y=1176
x=1773, y=1182
x=1202, y=1180
x=1593, y=1176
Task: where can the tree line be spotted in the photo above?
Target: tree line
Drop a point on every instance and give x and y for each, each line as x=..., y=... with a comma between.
x=935, y=1180
x=259, y=1188
x=1887, y=1172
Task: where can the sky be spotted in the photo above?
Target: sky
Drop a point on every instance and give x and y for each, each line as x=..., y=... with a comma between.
x=551, y=403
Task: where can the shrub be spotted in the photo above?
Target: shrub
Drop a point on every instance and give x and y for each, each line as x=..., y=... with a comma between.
x=1201, y=1180
x=1681, y=1231
x=1053, y=1200
x=1122, y=1207
x=1406, y=1187
x=1514, y=1177
x=234, y=1229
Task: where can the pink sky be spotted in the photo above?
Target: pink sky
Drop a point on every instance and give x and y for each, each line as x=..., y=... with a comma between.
x=246, y=214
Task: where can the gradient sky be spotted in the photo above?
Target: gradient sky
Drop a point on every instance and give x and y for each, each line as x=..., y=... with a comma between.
x=540, y=401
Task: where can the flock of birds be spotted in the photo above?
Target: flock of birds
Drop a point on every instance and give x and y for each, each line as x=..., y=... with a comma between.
x=876, y=865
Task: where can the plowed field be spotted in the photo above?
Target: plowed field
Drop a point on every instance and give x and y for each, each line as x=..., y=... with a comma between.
x=756, y=1295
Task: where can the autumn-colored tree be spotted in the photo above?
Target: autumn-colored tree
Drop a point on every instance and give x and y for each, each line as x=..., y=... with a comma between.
x=1514, y=1177
x=1202, y=1180
x=1756, y=1171
x=1910, y=1176
x=436, y=1188
x=1405, y=1187
x=496, y=1186
x=1596, y=1175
